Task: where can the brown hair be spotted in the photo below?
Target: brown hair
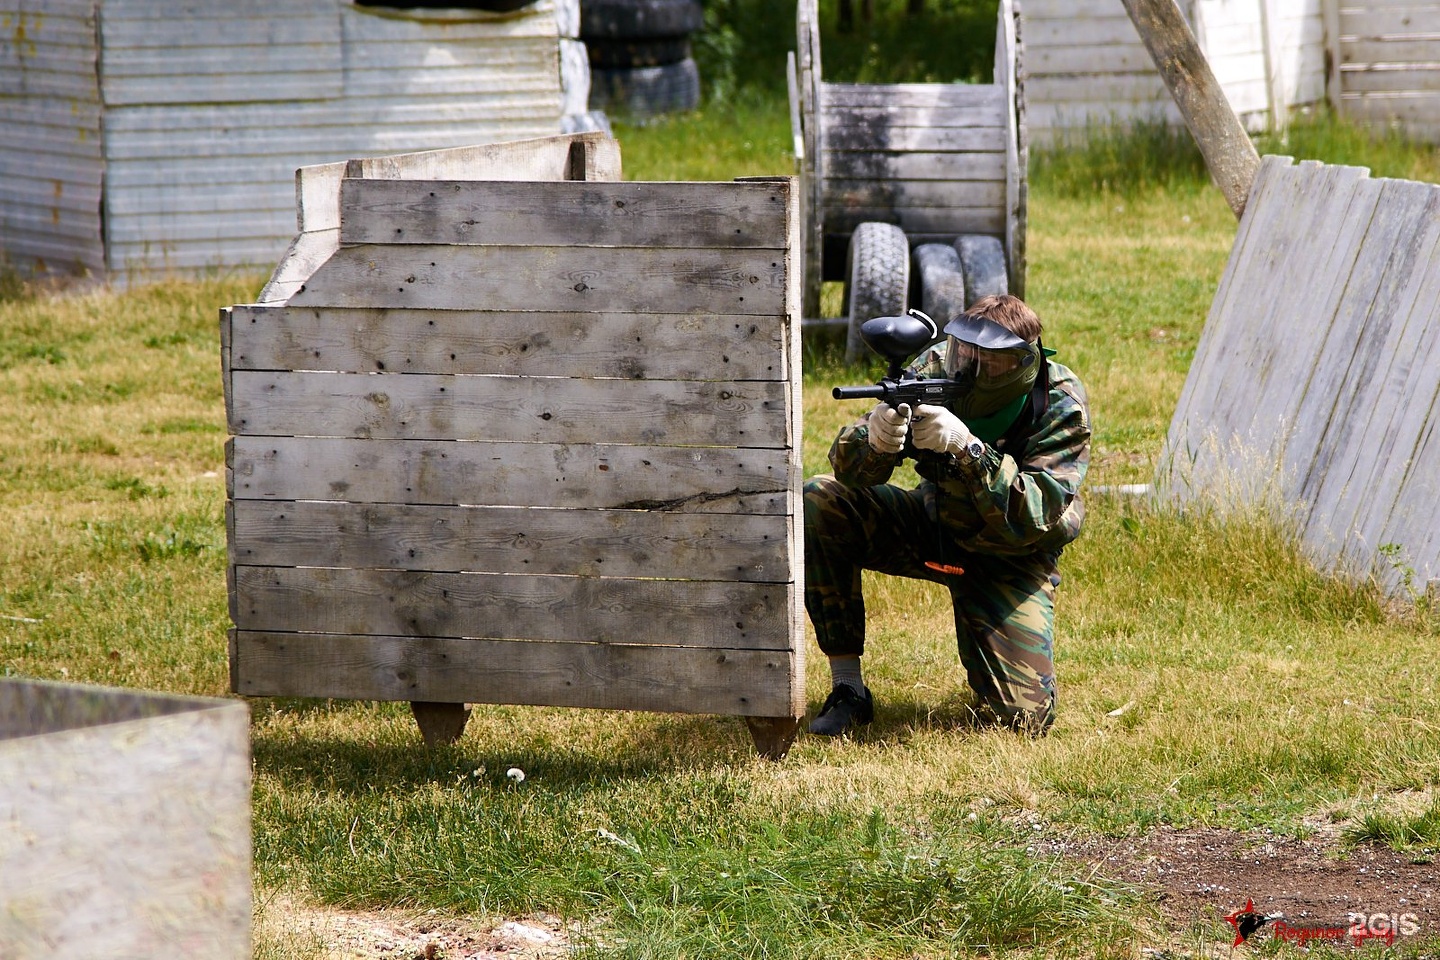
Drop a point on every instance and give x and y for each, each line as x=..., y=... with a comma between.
x=1010, y=313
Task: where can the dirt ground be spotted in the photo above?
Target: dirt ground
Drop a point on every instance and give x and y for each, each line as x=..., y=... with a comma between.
x=1306, y=887
x=1197, y=877
x=400, y=935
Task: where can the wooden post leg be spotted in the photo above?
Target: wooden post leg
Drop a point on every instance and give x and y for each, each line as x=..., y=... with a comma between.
x=773, y=735
x=440, y=723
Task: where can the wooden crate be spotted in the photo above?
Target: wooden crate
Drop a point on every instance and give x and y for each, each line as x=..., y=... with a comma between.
x=526, y=442
x=125, y=819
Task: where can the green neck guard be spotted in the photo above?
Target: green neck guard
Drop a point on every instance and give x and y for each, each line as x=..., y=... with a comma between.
x=993, y=427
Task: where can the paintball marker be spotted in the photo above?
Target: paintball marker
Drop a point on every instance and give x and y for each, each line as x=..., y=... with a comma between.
x=897, y=339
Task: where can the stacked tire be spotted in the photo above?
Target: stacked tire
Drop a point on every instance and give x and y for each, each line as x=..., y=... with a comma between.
x=883, y=276
x=640, y=62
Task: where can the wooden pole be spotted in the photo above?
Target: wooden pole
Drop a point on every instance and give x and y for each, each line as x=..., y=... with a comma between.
x=1223, y=142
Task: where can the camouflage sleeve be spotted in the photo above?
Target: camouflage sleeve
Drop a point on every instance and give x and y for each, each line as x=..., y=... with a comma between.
x=855, y=462
x=1003, y=506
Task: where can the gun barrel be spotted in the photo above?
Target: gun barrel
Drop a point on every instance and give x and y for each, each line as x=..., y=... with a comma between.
x=858, y=393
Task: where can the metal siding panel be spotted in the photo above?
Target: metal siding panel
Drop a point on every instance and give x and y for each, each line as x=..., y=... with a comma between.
x=245, y=51
x=51, y=164
x=205, y=180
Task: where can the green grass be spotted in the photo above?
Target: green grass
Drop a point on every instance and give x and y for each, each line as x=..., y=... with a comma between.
x=742, y=49
x=1256, y=692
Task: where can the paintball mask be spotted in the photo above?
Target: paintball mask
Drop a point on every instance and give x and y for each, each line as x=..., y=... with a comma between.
x=998, y=367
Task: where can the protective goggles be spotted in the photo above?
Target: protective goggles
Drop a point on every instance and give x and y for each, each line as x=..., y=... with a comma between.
x=985, y=350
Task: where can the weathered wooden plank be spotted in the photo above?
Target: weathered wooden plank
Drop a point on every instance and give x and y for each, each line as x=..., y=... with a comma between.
x=893, y=194
x=1195, y=427
x=531, y=159
x=1407, y=79
x=1373, y=21
x=1114, y=88
x=551, y=214
x=1340, y=203
x=1393, y=405
x=990, y=113
x=1076, y=10
x=396, y=406
x=950, y=167
x=699, y=480
x=1068, y=29
x=917, y=221
x=1422, y=49
x=1009, y=73
x=918, y=138
x=842, y=97
x=795, y=224
x=1298, y=198
x=513, y=606
x=610, y=279
x=626, y=543
x=651, y=346
x=1380, y=296
x=1068, y=60
x=1315, y=201
x=675, y=679
x=700, y=613
x=1411, y=524
x=1414, y=111
x=303, y=257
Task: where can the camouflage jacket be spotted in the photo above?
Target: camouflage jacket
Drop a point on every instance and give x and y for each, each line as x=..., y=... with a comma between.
x=1009, y=502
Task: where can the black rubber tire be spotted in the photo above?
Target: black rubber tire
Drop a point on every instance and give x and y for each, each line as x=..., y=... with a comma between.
x=941, y=282
x=646, y=91
x=627, y=54
x=639, y=19
x=982, y=262
x=879, y=279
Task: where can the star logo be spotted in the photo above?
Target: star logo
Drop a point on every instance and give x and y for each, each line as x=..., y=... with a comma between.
x=1246, y=921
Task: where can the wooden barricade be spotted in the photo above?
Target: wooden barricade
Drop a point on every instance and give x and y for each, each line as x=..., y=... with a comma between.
x=1315, y=381
x=527, y=442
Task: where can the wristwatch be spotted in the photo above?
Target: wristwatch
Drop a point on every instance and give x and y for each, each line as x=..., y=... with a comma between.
x=974, y=450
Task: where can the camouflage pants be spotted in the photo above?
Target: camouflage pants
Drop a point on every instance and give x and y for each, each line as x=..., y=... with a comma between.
x=1004, y=606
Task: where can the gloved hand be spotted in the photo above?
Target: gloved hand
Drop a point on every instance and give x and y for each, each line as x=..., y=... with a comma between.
x=936, y=428
x=888, y=426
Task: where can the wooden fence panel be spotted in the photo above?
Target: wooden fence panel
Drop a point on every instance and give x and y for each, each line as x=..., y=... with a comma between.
x=1386, y=68
x=1315, y=381
x=525, y=442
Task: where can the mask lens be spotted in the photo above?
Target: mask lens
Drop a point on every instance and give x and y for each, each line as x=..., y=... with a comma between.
x=960, y=359
x=963, y=358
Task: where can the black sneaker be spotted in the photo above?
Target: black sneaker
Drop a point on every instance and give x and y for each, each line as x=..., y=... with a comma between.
x=843, y=709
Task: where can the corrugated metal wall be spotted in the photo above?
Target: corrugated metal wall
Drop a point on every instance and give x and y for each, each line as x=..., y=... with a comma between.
x=50, y=144
x=211, y=105
x=269, y=87
x=1085, y=63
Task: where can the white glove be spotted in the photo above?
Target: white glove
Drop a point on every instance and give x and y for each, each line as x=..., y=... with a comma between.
x=888, y=426
x=936, y=428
